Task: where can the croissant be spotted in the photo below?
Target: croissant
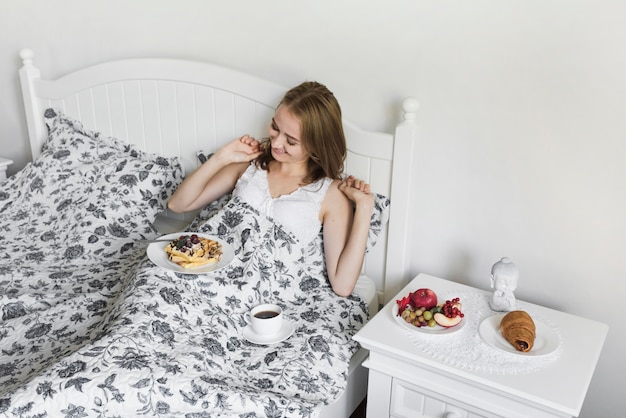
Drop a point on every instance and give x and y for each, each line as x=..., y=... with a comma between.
x=518, y=328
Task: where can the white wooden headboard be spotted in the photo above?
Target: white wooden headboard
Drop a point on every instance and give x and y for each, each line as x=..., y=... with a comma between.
x=175, y=108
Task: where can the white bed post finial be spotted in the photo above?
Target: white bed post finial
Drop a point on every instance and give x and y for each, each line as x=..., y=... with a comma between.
x=27, y=55
x=410, y=106
x=397, y=269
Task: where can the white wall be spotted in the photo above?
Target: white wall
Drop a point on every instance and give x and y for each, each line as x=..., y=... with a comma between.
x=522, y=119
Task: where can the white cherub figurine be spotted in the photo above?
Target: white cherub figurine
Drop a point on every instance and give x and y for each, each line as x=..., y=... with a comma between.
x=504, y=277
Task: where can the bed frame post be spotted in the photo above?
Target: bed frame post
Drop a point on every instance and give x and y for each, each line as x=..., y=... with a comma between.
x=36, y=126
x=397, y=266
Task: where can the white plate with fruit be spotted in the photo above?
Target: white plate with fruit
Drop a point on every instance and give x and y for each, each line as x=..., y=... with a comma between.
x=421, y=311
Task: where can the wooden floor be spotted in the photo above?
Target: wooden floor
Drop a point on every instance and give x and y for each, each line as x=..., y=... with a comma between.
x=360, y=411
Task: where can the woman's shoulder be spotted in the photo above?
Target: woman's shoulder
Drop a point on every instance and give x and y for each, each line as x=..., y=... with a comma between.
x=327, y=186
x=248, y=169
x=335, y=199
x=247, y=176
x=334, y=184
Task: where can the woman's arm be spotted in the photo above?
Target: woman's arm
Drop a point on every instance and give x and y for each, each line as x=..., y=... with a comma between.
x=347, y=210
x=216, y=177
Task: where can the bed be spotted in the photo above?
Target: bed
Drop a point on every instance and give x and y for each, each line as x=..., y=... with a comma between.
x=92, y=326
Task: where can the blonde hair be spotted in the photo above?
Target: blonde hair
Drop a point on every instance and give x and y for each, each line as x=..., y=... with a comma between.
x=322, y=136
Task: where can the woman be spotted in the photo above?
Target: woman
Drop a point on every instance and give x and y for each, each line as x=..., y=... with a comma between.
x=295, y=177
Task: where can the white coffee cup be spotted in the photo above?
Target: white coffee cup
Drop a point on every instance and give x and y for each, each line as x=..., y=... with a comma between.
x=265, y=320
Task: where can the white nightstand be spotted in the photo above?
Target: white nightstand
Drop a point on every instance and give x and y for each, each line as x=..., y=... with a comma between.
x=408, y=380
x=4, y=163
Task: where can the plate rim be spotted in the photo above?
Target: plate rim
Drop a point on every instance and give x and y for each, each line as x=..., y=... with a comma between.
x=154, y=250
x=493, y=326
x=425, y=330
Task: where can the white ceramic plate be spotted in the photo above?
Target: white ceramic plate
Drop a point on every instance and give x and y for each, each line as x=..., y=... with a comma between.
x=426, y=330
x=546, y=338
x=156, y=253
x=285, y=332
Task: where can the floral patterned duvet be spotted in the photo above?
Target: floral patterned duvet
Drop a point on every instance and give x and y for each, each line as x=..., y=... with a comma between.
x=91, y=327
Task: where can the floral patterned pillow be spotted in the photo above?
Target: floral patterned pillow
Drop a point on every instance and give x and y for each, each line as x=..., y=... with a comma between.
x=86, y=188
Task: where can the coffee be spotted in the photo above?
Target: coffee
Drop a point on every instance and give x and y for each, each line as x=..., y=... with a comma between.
x=265, y=319
x=266, y=314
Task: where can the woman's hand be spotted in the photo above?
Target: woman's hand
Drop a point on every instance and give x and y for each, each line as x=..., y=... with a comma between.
x=216, y=176
x=242, y=150
x=358, y=192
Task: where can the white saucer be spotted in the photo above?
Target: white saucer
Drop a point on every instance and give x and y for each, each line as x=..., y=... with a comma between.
x=285, y=332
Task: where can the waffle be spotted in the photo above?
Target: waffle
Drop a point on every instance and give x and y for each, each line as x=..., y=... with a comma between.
x=189, y=251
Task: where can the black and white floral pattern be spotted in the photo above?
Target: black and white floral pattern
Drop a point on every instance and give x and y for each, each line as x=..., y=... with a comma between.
x=91, y=327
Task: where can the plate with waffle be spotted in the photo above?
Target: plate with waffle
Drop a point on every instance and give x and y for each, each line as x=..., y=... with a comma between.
x=190, y=252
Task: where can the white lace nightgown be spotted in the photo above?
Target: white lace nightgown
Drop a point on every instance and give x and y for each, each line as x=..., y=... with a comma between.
x=297, y=212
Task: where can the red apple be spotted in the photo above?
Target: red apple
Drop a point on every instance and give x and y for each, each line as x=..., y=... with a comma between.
x=423, y=298
x=444, y=321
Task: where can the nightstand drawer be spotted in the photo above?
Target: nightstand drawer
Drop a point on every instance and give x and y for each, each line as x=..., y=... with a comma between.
x=409, y=401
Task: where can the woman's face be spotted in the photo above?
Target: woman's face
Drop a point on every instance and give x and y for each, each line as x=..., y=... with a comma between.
x=285, y=137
